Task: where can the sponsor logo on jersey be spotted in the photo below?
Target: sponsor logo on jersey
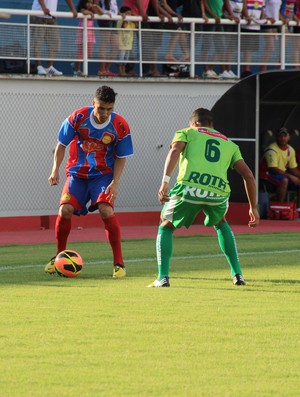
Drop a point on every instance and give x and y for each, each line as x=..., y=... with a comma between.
x=216, y=134
x=200, y=193
x=207, y=180
x=106, y=139
x=92, y=146
x=66, y=197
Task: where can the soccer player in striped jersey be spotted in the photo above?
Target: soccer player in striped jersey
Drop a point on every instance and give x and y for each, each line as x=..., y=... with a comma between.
x=100, y=141
x=204, y=156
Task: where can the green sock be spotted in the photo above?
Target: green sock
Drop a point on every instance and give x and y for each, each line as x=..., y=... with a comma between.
x=228, y=246
x=164, y=247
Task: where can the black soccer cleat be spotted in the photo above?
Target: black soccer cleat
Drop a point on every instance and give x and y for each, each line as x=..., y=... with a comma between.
x=238, y=279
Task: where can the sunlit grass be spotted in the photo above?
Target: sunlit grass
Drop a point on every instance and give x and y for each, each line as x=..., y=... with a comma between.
x=96, y=336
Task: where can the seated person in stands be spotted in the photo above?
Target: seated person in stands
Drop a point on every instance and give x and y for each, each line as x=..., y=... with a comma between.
x=279, y=166
x=298, y=158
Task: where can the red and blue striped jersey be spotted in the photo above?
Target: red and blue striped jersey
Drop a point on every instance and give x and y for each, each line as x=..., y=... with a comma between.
x=288, y=8
x=94, y=147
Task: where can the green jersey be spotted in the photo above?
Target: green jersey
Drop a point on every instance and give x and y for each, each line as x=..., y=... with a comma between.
x=206, y=159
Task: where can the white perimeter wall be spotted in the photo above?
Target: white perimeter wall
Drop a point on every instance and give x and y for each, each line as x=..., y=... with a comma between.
x=32, y=109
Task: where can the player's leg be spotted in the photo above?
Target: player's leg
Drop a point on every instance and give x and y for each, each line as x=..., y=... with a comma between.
x=175, y=214
x=282, y=189
x=215, y=216
x=164, y=250
x=280, y=182
x=228, y=246
x=62, y=231
x=113, y=234
x=63, y=226
x=72, y=201
x=100, y=200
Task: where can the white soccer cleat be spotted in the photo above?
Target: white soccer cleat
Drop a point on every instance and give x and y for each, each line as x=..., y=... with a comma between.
x=164, y=282
x=53, y=72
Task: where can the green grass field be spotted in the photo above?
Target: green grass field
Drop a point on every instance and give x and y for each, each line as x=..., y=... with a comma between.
x=96, y=336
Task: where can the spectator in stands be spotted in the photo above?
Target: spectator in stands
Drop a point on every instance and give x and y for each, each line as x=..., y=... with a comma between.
x=126, y=36
x=171, y=6
x=139, y=8
x=298, y=158
x=272, y=15
x=233, y=10
x=214, y=9
x=254, y=12
x=86, y=7
x=153, y=40
x=109, y=38
x=290, y=11
x=296, y=29
x=279, y=167
x=194, y=9
x=47, y=34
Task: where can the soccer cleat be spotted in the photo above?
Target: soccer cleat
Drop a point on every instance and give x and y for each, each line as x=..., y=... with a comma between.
x=225, y=75
x=41, y=71
x=50, y=268
x=232, y=74
x=164, y=282
x=210, y=74
x=119, y=271
x=77, y=73
x=53, y=72
x=238, y=279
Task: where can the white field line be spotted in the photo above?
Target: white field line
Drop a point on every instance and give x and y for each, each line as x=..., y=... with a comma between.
x=3, y=268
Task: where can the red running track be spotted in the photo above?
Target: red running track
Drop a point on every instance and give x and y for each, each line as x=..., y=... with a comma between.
x=138, y=232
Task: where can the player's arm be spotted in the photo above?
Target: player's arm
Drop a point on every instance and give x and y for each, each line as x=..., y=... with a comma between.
x=144, y=16
x=293, y=174
x=209, y=11
x=72, y=8
x=59, y=155
x=231, y=16
x=112, y=188
x=203, y=7
x=170, y=164
x=250, y=187
x=46, y=10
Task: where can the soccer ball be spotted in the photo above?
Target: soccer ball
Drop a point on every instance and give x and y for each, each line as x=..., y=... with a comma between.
x=68, y=263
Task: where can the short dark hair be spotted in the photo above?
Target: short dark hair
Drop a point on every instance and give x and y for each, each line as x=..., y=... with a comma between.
x=105, y=94
x=124, y=9
x=203, y=116
x=81, y=5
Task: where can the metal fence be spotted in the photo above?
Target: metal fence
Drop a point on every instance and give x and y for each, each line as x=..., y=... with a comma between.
x=154, y=111
x=193, y=44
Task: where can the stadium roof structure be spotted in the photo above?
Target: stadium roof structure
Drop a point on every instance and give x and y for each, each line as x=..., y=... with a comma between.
x=253, y=110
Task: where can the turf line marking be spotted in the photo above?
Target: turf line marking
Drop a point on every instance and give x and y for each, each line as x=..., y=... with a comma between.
x=3, y=268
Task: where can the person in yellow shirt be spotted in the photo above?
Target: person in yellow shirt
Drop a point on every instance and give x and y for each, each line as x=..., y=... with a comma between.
x=279, y=166
x=126, y=37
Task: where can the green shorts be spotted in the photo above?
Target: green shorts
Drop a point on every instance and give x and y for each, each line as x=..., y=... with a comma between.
x=186, y=202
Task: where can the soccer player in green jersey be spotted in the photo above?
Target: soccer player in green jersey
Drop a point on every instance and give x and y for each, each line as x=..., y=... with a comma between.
x=204, y=156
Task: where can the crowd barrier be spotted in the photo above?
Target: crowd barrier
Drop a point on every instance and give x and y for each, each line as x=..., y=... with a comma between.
x=167, y=45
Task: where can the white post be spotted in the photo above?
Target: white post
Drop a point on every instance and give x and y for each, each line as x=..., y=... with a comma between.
x=257, y=108
x=85, y=47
